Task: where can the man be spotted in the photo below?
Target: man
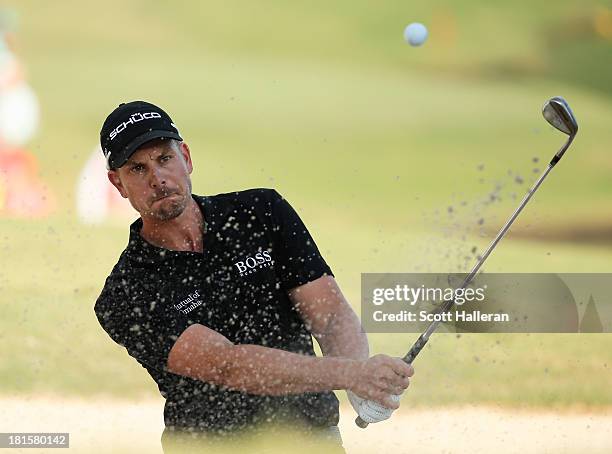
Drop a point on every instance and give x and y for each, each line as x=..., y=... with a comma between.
x=218, y=297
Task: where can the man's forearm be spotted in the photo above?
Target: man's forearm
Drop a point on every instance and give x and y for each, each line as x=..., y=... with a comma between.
x=262, y=370
x=344, y=337
x=330, y=318
x=206, y=355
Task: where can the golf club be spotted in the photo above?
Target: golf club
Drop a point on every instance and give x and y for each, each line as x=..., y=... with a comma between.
x=558, y=113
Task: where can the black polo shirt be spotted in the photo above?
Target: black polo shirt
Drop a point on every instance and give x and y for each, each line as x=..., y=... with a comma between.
x=256, y=248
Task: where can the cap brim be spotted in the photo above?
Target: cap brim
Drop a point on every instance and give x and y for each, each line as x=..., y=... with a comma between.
x=139, y=141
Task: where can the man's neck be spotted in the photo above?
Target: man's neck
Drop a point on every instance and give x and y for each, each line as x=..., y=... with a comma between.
x=183, y=233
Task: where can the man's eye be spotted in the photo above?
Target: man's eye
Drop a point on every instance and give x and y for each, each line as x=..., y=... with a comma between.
x=165, y=158
x=138, y=168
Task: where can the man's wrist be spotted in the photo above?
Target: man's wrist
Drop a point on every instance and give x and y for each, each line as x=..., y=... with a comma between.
x=342, y=371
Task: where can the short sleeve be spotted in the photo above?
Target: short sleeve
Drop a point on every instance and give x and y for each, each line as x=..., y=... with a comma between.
x=140, y=324
x=299, y=259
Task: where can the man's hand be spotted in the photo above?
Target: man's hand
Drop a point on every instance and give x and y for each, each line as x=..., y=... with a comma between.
x=380, y=377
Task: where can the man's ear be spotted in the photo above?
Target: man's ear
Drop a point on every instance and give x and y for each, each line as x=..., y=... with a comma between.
x=187, y=156
x=113, y=177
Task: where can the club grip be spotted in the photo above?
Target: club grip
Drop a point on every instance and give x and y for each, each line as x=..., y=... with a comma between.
x=410, y=356
x=360, y=422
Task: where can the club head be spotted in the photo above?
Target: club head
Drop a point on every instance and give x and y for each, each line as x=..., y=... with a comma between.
x=558, y=113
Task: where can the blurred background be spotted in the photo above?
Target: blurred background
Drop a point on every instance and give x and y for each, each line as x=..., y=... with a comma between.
x=398, y=159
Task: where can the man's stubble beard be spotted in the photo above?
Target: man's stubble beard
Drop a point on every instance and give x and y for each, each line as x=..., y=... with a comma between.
x=170, y=209
x=176, y=207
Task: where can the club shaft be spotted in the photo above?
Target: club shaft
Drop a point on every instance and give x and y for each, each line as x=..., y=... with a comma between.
x=445, y=307
x=423, y=338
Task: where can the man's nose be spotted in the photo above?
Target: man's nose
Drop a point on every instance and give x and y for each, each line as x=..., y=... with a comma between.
x=156, y=179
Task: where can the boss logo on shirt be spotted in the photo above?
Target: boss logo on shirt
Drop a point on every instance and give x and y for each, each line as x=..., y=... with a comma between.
x=254, y=263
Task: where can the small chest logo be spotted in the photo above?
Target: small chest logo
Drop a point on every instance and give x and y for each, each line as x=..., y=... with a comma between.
x=192, y=301
x=254, y=263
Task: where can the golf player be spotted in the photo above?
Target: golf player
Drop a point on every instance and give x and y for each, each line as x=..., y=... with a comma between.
x=218, y=298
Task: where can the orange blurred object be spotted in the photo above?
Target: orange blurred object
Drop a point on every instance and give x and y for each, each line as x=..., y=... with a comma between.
x=22, y=193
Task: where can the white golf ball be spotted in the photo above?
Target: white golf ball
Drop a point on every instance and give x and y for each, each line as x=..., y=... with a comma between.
x=415, y=34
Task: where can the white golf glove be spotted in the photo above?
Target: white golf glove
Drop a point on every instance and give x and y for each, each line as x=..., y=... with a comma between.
x=370, y=411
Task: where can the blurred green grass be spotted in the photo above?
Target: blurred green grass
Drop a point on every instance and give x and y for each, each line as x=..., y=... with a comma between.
x=366, y=137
